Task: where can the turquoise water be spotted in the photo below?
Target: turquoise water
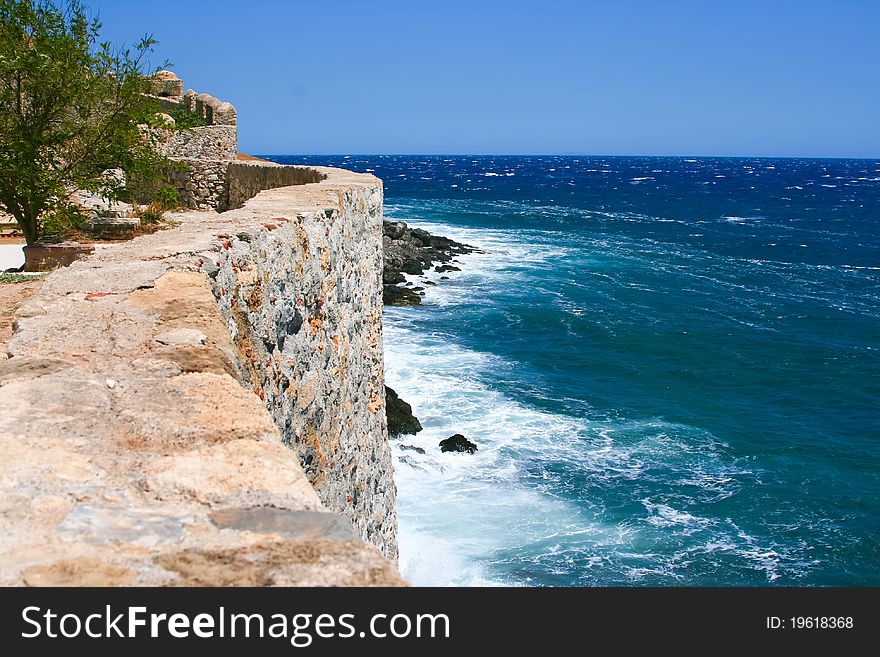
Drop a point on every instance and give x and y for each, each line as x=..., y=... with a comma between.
x=671, y=367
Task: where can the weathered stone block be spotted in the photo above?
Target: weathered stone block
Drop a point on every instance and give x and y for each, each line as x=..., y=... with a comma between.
x=115, y=228
x=142, y=527
x=42, y=256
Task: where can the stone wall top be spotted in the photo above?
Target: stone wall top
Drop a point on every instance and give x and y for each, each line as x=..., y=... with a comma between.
x=131, y=452
x=214, y=111
x=167, y=90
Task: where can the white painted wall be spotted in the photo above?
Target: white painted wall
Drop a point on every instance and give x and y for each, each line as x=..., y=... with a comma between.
x=11, y=255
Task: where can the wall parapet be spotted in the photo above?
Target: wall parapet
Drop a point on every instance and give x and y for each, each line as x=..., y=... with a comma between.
x=167, y=90
x=247, y=179
x=212, y=110
x=223, y=185
x=152, y=386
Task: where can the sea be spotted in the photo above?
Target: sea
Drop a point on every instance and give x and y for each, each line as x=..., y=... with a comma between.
x=670, y=367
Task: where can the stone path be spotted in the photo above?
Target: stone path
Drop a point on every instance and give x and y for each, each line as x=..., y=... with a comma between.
x=130, y=452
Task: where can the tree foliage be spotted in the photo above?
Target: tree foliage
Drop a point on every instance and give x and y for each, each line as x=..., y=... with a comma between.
x=70, y=107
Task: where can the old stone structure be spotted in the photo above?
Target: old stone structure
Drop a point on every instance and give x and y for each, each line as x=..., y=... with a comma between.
x=151, y=387
x=204, y=152
x=303, y=299
x=227, y=184
x=209, y=142
x=210, y=177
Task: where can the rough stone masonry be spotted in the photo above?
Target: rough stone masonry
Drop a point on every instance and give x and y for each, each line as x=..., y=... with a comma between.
x=303, y=298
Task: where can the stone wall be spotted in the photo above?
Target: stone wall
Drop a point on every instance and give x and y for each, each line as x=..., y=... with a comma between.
x=212, y=178
x=150, y=389
x=223, y=185
x=210, y=142
x=202, y=184
x=206, y=151
x=303, y=299
x=167, y=91
x=247, y=179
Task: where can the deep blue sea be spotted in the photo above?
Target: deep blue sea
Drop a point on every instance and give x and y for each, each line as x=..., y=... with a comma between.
x=671, y=367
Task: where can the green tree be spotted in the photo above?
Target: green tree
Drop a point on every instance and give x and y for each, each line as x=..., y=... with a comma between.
x=70, y=107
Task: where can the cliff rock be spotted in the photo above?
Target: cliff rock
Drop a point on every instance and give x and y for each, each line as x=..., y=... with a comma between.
x=400, y=416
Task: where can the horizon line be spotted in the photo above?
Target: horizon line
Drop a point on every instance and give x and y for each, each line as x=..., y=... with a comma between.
x=437, y=154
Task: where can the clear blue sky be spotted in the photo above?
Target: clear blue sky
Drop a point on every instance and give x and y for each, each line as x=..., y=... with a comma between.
x=769, y=77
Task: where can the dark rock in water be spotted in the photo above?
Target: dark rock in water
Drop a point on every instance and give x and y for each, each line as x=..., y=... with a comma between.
x=412, y=448
x=400, y=416
x=427, y=282
x=414, y=251
x=392, y=295
x=394, y=229
x=444, y=278
x=457, y=443
x=390, y=277
x=443, y=268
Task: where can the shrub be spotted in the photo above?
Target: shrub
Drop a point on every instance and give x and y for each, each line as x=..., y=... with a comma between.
x=151, y=214
x=185, y=120
x=61, y=221
x=167, y=198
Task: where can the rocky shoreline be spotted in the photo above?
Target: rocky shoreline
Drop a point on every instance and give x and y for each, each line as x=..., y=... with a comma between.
x=414, y=251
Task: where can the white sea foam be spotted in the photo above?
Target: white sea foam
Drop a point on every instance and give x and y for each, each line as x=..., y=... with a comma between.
x=462, y=515
x=663, y=515
x=456, y=509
